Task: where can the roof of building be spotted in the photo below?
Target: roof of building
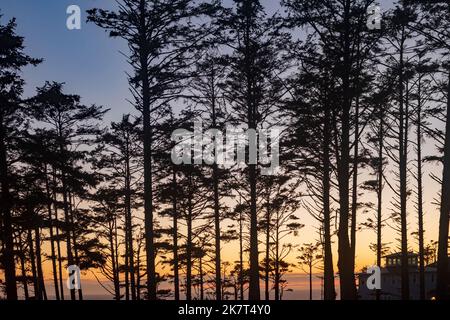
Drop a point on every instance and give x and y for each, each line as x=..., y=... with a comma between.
x=385, y=270
x=399, y=254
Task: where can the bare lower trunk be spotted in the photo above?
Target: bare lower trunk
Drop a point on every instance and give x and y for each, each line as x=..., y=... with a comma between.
x=355, y=185
x=277, y=262
x=254, y=261
x=113, y=264
x=75, y=245
x=420, y=196
x=32, y=257
x=345, y=264
x=52, y=237
x=329, y=288
x=5, y=207
x=442, y=263
x=127, y=268
x=310, y=282
x=403, y=181
x=138, y=273
x=380, y=193
x=116, y=249
x=241, y=258
x=24, y=276
x=189, y=252
x=40, y=274
x=217, y=232
x=129, y=226
x=200, y=270
x=176, y=276
x=267, y=260
x=68, y=228
x=58, y=241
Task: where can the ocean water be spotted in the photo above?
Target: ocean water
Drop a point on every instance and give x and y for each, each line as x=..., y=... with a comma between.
x=297, y=288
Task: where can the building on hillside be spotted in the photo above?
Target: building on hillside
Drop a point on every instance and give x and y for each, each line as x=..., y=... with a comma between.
x=391, y=283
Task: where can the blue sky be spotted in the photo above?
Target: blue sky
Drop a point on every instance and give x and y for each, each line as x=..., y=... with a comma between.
x=87, y=60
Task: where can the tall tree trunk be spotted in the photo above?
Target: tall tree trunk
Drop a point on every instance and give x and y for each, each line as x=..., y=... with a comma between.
x=252, y=110
x=36, y=283
x=75, y=243
x=52, y=237
x=442, y=263
x=148, y=138
x=189, y=248
x=24, y=276
x=254, y=261
x=329, y=288
x=138, y=273
x=58, y=240
x=310, y=282
x=67, y=226
x=241, y=256
x=202, y=289
x=380, y=170
x=5, y=207
x=113, y=263
x=345, y=263
x=116, y=248
x=403, y=180
x=129, y=225
x=420, y=194
x=40, y=274
x=355, y=184
x=277, y=261
x=127, y=276
x=176, y=276
x=267, y=260
x=218, y=279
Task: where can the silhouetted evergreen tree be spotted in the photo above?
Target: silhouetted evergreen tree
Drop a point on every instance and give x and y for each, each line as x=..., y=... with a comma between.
x=208, y=94
x=108, y=209
x=120, y=150
x=308, y=147
x=253, y=89
x=400, y=35
x=162, y=38
x=339, y=27
x=434, y=25
x=11, y=121
x=71, y=124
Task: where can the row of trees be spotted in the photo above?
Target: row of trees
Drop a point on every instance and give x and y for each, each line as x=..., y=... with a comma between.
x=350, y=100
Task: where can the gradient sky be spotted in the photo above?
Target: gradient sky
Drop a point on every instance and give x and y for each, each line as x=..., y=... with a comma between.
x=90, y=64
x=87, y=60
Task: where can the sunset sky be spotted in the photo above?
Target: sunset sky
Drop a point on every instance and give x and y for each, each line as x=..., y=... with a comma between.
x=91, y=65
